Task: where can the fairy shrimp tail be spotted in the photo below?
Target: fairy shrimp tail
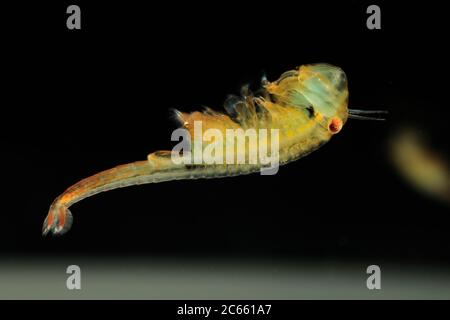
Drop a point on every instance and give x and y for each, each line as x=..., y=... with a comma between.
x=58, y=221
x=158, y=167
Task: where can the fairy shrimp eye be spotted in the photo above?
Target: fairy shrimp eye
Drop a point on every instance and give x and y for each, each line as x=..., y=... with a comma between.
x=335, y=125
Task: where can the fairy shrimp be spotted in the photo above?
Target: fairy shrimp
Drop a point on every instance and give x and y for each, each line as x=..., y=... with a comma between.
x=307, y=105
x=424, y=168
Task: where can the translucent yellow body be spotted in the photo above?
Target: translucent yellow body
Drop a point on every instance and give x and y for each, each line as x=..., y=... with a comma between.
x=307, y=106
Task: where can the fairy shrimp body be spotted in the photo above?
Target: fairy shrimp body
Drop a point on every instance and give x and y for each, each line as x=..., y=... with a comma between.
x=307, y=106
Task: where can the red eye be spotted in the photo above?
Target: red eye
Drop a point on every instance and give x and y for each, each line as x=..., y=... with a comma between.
x=335, y=125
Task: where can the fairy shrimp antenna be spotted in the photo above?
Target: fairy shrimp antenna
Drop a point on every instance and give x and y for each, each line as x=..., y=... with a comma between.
x=307, y=106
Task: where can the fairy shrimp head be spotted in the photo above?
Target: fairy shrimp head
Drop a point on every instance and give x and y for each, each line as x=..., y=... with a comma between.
x=325, y=87
x=321, y=92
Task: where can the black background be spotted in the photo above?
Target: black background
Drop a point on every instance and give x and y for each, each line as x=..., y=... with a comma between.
x=75, y=102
